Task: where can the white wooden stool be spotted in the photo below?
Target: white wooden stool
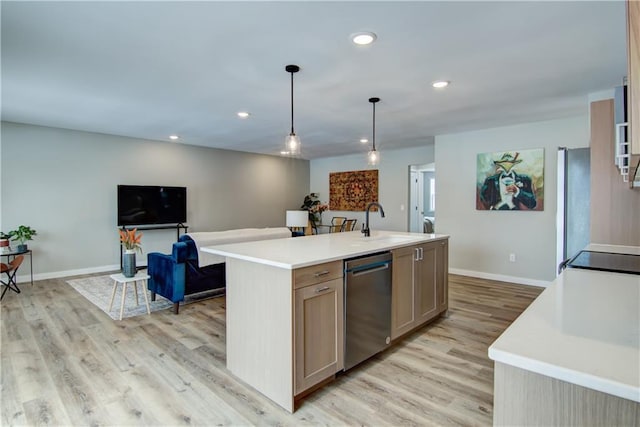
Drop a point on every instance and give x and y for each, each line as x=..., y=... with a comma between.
x=120, y=278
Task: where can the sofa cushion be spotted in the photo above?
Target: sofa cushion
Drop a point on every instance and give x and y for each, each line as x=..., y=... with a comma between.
x=216, y=238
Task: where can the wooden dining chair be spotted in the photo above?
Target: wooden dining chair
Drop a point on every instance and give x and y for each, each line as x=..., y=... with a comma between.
x=336, y=224
x=349, y=225
x=10, y=271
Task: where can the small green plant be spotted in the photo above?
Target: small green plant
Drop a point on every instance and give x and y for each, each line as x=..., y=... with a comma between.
x=22, y=234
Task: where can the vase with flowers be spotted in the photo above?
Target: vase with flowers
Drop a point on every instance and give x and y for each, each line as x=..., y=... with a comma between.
x=315, y=208
x=130, y=241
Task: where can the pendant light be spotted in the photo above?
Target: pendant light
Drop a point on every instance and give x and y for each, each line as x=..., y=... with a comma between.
x=292, y=142
x=373, y=156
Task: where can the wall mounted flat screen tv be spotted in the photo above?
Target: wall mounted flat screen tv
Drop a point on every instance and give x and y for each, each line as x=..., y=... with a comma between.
x=151, y=205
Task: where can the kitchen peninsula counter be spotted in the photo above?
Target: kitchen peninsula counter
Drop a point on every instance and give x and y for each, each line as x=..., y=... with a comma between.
x=574, y=352
x=312, y=250
x=285, y=303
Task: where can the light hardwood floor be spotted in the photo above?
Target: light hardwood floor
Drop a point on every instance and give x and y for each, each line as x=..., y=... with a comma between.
x=65, y=362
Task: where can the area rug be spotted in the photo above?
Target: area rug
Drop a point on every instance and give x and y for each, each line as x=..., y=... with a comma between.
x=97, y=289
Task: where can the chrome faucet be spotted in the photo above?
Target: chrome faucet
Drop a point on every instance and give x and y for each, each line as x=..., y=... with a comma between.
x=365, y=226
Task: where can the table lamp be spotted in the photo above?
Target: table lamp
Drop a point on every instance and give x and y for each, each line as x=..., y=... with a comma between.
x=297, y=219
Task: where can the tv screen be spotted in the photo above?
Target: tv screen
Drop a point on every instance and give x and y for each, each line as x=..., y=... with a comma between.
x=148, y=204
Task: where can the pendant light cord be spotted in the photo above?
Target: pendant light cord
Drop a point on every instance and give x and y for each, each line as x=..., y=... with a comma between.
x=374, y=126
x=292, y=132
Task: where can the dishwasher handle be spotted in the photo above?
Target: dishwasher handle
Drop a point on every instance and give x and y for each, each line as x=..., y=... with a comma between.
x=369, y=268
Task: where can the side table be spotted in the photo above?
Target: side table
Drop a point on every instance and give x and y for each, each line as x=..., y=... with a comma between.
x=120, y=278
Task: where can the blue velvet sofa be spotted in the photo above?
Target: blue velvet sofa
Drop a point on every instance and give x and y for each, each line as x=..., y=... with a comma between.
x=188, y=270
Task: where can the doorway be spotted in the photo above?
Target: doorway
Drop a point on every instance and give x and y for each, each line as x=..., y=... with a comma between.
x=422, y=192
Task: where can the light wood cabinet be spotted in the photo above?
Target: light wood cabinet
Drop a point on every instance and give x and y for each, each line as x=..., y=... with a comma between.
x=425, y=290
x=313, y=274
x=318, y=325
x=614, y=207
x=442, y=275
x=419, y=290
x=403, y=314
x=285, y=328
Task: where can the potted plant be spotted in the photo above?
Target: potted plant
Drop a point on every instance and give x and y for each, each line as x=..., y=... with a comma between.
x=315, y=207
x=130, y=241
x=22, y=234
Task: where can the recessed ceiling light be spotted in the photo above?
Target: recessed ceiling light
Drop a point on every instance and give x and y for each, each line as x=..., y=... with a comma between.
x=364, y=140
x=363, y=38
x=440, y=84
x=173, y=137
x=243, y=114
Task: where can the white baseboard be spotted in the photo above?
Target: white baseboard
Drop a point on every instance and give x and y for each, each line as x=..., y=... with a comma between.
x=26, y=278
x=115, y=267
x=500, y=277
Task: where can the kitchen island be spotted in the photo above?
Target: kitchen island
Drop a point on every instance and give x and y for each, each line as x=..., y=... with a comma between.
x=285, y=303
x=573, y=356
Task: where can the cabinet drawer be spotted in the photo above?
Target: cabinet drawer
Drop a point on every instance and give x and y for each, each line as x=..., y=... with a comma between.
x=316, y=274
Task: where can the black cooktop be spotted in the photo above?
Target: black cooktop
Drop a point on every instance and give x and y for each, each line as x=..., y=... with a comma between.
x=606, y=261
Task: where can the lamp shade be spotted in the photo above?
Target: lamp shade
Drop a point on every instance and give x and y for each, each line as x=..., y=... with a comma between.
x=373, y=156
x=297, y=218
x=293, y=144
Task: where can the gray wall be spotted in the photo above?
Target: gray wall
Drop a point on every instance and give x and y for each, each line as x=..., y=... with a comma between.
x=393, y=178
x=63, y=184
x=67, y=191
x=481, y=241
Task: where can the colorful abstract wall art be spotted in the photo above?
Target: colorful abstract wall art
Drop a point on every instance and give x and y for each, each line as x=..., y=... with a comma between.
x=510, y=180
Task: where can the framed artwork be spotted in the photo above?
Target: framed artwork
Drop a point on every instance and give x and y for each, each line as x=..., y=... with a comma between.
x=510, y=180
x=352, y=191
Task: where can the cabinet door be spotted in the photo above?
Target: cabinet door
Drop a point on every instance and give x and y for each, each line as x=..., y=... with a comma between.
x=442, y=275
x=425, y=282
x=403, y=313
x=318, y=331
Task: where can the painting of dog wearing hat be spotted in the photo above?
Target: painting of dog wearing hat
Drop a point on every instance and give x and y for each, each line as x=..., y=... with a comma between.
x=512, y=180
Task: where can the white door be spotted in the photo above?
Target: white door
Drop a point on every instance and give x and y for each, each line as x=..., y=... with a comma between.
x=415, y=205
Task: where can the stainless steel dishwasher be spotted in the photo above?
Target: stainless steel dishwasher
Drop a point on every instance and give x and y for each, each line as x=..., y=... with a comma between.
x=367, y=311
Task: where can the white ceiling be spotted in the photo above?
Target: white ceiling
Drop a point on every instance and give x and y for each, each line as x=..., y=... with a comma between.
x=151, y=69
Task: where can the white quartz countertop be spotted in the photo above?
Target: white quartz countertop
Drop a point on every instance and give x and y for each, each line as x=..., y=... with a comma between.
x=296, y=252
x=583, y=329
x=614, y=249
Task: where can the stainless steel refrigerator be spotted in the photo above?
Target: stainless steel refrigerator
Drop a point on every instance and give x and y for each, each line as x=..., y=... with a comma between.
x=574, y=201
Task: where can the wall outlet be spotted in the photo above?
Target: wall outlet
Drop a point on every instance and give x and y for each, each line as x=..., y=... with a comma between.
x=512, y=257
